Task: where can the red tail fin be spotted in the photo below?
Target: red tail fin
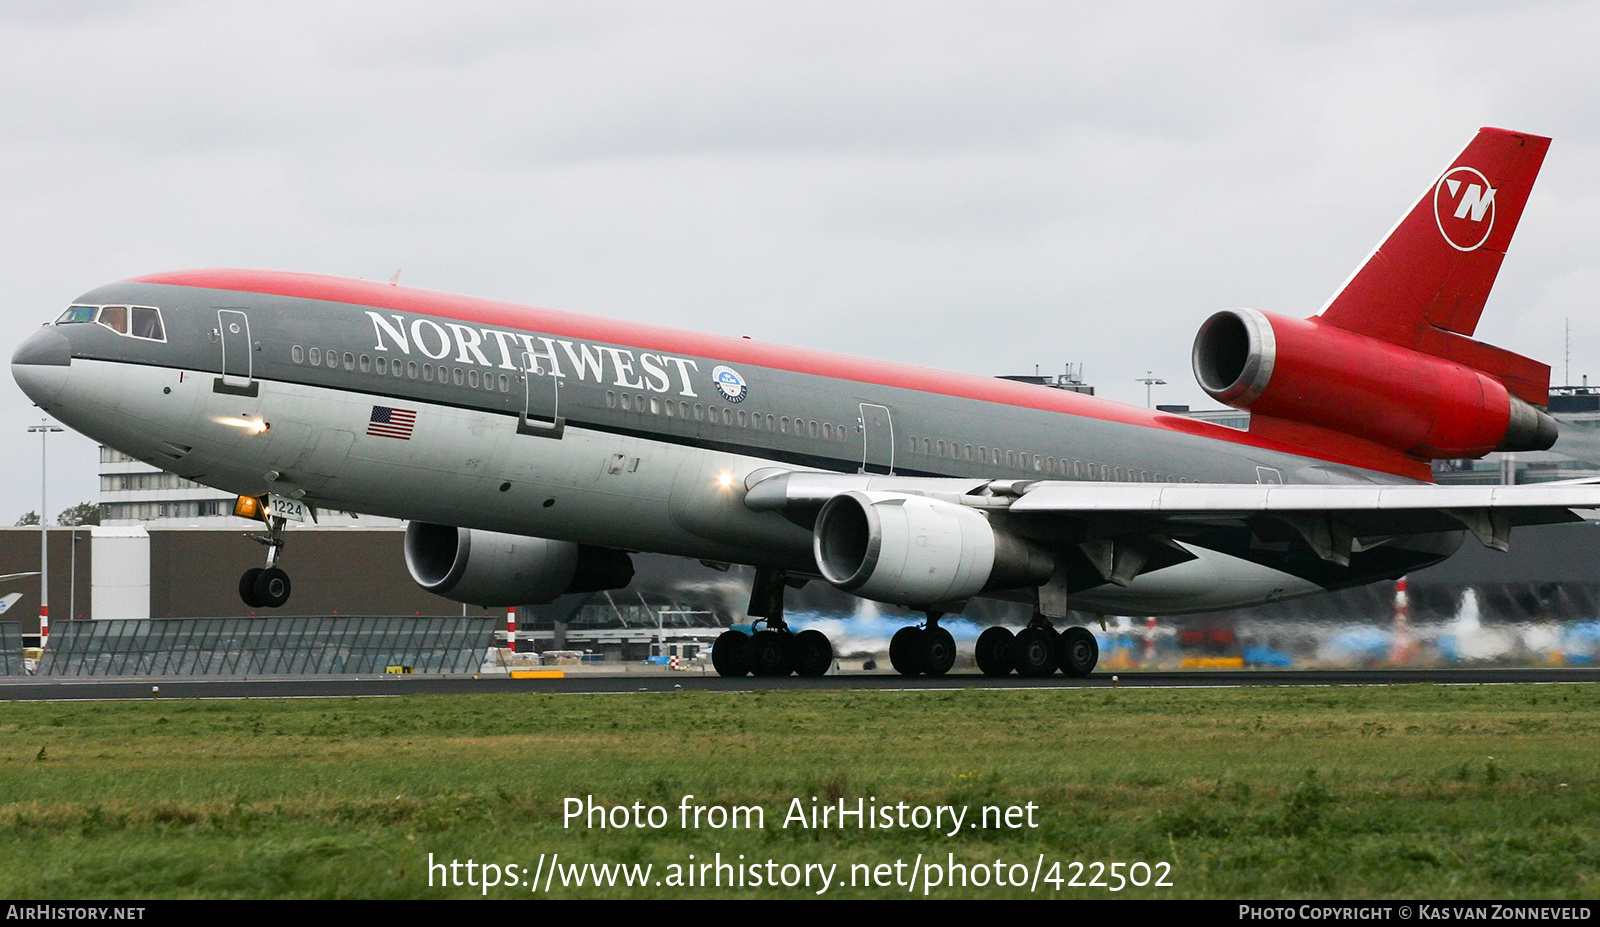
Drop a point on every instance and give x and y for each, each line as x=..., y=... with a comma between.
x=1425, y=286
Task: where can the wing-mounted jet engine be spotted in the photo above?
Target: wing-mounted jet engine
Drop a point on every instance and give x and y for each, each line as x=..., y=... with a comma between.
x=493, y=569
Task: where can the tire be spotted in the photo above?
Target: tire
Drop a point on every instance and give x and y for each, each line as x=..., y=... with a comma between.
x=247, y=587
x=813, y=653
x=771, y=653
x=272, y=588
x=1077, y=651
x=938, y=651
x=994, y=651
x=905, y=651
x=1033, y=653
x=730, y=655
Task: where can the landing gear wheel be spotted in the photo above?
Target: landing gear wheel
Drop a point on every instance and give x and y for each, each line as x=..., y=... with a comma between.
x=731, y=653
x=938, y=651
x=247, y=587
x=1033, y=653
x=813, y=654
x=272, y=588
x=906, y=650
x=1077, y=651
x=994, y=651
x=770, y=653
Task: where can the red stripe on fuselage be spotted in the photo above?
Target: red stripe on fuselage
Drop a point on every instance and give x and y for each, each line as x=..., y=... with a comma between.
x=370, y=294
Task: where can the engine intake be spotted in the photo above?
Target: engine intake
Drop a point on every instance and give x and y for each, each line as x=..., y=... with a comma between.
x=493, y=569
x=1303, y=370
x=920, y=552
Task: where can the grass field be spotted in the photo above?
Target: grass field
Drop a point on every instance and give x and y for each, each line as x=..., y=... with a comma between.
x=1431, y=792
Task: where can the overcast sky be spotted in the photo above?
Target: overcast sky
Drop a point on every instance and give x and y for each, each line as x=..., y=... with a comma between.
x=981, y=187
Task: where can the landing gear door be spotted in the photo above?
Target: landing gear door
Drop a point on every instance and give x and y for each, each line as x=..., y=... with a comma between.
x=238, y=361
x=541, y=397
x=877, y=439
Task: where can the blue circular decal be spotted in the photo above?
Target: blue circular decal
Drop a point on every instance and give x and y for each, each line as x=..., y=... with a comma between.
x=729, y=384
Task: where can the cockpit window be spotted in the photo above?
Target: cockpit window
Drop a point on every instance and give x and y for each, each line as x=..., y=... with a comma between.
x=114, y=318
x=132, y=321
x=146, y=323
x=77, y=314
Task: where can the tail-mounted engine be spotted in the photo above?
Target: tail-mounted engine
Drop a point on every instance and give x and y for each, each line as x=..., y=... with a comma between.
x=1308, y=371
x=492, y=569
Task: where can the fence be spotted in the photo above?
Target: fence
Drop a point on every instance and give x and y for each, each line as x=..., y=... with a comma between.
x=256, y=646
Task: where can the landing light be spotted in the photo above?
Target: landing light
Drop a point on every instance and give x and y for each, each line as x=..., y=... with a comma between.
x=725, y=481
x=255, y=427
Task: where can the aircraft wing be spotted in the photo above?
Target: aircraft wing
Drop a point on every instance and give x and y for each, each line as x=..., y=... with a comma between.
x=1330, y=518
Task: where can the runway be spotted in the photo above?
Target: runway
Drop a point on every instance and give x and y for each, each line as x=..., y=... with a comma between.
x=165, y=688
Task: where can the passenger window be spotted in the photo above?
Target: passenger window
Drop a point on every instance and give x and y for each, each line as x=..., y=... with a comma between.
x=316, y=357
x=349, y=361
x=147, y=324
x=381, y=365
x=298, y=354
x=427, y=373
x=333, y=357
x=115, y=318
x=472, y=378
x=411, y=370
x=366, y=363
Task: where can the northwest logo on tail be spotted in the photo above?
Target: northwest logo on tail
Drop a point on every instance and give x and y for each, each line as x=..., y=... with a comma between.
x=1463, y=205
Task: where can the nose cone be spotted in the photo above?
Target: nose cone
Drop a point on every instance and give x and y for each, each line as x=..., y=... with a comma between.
x=41, y=364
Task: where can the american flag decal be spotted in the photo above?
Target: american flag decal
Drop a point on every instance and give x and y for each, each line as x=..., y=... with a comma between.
x=391, y=423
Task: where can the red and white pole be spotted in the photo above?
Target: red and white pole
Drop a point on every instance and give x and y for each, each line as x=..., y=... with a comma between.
x=1400, y=642
x=511, y=630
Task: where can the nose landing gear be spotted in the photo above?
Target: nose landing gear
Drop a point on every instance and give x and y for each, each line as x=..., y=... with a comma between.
x=267, y=587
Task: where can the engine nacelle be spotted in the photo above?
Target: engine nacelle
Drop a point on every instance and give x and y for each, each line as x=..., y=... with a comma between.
x=916, y=551
x=1304, y=370
x=492, y=569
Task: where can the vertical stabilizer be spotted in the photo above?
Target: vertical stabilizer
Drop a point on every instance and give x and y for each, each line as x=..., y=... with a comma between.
x=1425, y=286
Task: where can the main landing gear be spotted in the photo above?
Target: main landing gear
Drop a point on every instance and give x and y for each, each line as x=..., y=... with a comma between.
x=774, y=650
x=1037, y=650
x=266, y=587
x=926, y=651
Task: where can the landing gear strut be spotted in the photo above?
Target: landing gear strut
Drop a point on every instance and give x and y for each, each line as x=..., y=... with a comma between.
x=267, y=587
x=929, y=650
x=774, y=650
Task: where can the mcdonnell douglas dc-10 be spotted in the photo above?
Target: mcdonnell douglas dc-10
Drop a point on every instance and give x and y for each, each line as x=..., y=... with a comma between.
x=532, y=450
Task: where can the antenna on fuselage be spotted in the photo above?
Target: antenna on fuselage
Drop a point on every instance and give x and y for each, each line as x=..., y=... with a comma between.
x=395, y=280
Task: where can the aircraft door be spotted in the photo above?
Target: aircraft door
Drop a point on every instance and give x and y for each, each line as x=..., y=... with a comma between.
x=877, y=439
x=541, y=397
x=238, y=361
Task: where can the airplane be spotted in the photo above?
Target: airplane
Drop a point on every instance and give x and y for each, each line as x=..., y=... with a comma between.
x=532, y=450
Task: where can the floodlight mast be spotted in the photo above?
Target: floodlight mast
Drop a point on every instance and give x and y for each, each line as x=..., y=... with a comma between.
x=44, y=429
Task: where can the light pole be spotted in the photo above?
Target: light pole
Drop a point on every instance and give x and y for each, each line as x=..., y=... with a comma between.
x=1149, y=380
x=44, y=429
